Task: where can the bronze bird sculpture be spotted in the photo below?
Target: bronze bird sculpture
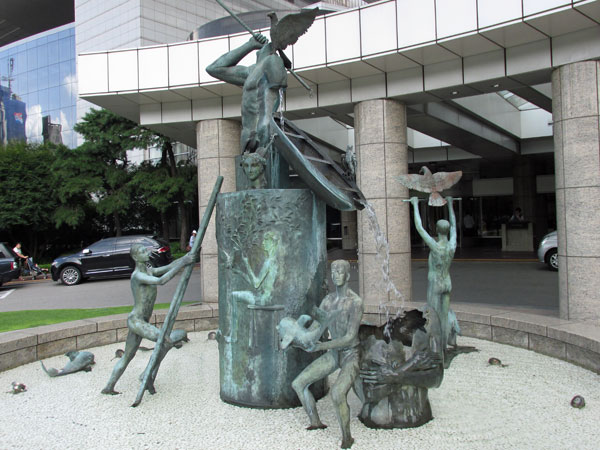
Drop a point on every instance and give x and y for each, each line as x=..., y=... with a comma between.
x=432, y=183
x=286, y=31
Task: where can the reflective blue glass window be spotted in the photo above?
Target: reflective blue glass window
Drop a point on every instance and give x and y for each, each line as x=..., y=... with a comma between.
x=53, y=75
x=32, y=58
x=65, y=96
x=32, y=99
x=64, y=49
x=52, y=52
x=42, y=55
x=42, y=77
x=32, y=80
x=20, y=63
x=34, y=125
x=20, y=84
x=54, y=115
x=65, y=72
x=72, y=115
x=43, y=99
x=54, y=98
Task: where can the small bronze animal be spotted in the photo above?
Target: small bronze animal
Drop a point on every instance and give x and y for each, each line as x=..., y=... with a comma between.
x=179, y=337
x=296, y=331
x=78, y=361
x=496, y=362
x=578, y=402
x=212, y=336
x=119, y=353
x=17, y=388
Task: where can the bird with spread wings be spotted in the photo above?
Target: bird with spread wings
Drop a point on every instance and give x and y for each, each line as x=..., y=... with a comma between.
x=286, y=31
x=432, y=183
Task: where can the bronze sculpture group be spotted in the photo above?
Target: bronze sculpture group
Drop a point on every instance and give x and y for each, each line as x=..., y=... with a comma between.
x=390, y=367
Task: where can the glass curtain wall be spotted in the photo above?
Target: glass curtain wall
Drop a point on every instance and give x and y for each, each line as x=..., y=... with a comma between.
x=40, y=73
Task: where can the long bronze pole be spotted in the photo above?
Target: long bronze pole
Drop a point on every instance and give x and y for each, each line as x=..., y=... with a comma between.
x=154, y=363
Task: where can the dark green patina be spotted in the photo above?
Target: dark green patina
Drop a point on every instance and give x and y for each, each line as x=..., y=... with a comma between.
x=272, y=260
x=271, y=233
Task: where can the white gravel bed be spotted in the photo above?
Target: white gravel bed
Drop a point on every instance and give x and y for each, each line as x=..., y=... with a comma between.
x=478, y=406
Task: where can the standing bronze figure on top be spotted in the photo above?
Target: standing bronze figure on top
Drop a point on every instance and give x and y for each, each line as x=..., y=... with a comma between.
x=262, y=81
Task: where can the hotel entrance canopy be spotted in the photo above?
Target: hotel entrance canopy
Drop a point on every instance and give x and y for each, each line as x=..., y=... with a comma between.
x=416, y=51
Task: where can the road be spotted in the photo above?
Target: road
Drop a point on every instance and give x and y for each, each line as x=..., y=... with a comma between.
x=522, y=285
x=47, y=294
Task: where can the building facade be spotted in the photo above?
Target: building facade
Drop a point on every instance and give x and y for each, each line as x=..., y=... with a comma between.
x=39, y=78
x=503, y=91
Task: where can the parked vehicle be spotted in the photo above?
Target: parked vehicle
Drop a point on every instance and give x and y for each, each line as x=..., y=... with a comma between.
x=548, y=250
x=9, y=266
x=108, y=258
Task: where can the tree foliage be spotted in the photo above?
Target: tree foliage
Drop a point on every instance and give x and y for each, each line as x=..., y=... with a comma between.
x=167, y=183
x=26, y=187
x=103, y=161
x=27, y=196
x=74, y=186
x=56, y=199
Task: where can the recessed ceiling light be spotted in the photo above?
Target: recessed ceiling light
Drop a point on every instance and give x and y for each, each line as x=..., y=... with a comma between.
x=497, y=85
x=454, y=92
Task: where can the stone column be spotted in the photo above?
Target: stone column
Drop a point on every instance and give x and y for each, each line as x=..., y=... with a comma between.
x=381, y=149
x=575, y=107
x=218, y=143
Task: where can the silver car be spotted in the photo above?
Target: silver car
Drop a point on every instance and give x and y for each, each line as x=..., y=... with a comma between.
x=547, y=251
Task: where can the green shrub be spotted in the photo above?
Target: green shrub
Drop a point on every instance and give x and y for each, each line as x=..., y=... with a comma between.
x=176, y=250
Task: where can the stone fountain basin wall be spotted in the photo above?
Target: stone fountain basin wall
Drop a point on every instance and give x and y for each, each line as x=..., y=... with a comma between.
x=575, y=342
x=32, y=344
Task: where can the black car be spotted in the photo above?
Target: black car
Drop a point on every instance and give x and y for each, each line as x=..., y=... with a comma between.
x=9, y=266
x=108, y=258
